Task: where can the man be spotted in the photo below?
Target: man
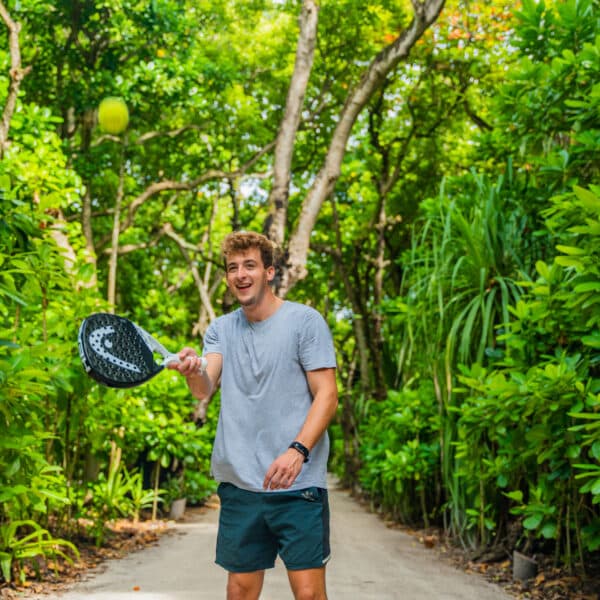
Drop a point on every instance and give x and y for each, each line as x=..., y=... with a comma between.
x=276, y=365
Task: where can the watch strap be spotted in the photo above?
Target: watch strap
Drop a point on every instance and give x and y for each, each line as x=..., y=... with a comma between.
x=300, y=448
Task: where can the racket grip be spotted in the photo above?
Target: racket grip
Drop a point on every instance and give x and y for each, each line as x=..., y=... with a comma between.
x=201, y=369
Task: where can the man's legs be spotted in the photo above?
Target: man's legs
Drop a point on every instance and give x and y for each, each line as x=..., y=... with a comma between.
x=245, y=586
x=308, y=584
x=255, y=527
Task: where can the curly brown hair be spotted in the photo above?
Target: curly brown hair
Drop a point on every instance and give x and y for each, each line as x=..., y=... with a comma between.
x=241, y=241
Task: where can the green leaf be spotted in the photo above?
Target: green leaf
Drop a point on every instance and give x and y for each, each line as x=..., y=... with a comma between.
x=6, y=565
x=12, y=295
x=590, y=286
x=571, y=250
x=543, y=269
x=9, y=344
x=549, y=531
x=564, y=261
x=590, y=200
x=533, y=522
x=592, y=340
x=517, y=496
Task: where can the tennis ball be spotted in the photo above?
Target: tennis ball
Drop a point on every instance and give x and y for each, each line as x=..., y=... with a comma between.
x=113, y=115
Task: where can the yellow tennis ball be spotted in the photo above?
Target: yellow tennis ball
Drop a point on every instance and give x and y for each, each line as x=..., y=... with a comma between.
x=113, y=115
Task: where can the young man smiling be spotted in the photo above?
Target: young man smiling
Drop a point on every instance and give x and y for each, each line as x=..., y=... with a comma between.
x=276, y=365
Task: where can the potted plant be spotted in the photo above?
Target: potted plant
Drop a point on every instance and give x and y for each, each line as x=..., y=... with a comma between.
x=175, y=496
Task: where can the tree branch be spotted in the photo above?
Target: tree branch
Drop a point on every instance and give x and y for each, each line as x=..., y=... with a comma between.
x=170, y=185
x=173, y=133
x=479, y=121
x=145, y=137
x=202, y=291
x=17, y=73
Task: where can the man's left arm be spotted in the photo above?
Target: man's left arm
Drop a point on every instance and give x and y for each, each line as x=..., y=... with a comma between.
x=285, y=469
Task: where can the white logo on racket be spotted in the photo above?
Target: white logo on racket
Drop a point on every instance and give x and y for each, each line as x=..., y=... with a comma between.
x=99, y=342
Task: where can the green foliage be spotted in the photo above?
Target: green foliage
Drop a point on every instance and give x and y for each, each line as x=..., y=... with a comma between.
x=578, y=215
x=111, y=495
x=141, y=498
x=400, y=451
x=498, y=308
x=25, y=539
x=513, y=434
x=457, y=262
x=120, y=493
x=547, y=111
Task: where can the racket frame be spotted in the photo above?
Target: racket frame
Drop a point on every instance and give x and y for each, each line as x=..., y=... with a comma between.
x=168, y=357
x=156, y=347
x=152, y=345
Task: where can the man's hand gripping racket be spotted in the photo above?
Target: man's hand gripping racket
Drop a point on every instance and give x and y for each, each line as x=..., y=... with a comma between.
x=118, y=353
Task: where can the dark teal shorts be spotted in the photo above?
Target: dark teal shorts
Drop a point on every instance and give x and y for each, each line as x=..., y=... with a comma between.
x=254, y=527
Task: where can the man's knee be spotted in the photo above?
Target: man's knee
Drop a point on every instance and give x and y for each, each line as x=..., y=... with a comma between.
x=244, y=586
x=309, y=584
x=309, y=593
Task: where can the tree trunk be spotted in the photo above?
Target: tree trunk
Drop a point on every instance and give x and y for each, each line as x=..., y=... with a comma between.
x=425, y=13
x=114, y=248
x=358, y=321
x=17, y=73
x=380, y=265
x=284, y=149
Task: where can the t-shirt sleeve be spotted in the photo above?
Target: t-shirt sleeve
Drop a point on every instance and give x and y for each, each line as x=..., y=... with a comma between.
x=316, y=344
x=212, y=342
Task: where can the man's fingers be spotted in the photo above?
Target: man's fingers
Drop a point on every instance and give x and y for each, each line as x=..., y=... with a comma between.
x=190, y=362
x=268, y=478
x=279, y=478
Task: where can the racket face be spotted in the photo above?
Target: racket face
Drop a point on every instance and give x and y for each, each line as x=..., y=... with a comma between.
x=114, y=353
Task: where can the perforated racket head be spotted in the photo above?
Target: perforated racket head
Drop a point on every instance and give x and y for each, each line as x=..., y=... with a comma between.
x=114, y=353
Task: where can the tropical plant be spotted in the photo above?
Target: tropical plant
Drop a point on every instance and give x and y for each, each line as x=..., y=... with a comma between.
x=21, y=540
x=141, y=498
x=400, y=453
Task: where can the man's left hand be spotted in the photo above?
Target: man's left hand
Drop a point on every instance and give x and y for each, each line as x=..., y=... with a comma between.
x=284, y=470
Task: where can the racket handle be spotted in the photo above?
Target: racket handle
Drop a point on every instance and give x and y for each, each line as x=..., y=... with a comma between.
x=201, y=369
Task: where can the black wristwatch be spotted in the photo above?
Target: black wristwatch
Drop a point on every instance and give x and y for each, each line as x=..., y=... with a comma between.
x=301, y=448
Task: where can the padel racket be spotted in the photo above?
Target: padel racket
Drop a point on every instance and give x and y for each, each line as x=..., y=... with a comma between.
x=118, y=353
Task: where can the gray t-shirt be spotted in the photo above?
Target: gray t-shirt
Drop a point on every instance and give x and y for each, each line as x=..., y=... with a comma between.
x=265, y=395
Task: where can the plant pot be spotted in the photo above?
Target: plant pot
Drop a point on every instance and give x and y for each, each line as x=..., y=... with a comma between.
x=524, y=567
x=177, y=509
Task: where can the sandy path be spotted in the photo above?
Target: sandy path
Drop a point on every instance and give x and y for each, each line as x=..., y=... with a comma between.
x=370, y=562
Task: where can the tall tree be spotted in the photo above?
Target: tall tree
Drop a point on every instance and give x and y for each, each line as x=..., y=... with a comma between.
x=424, y=14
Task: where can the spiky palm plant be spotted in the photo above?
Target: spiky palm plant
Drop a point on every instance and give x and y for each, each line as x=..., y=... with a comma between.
x=462, y=273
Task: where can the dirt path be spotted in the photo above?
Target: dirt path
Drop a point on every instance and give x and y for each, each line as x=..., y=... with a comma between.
x=370, y=562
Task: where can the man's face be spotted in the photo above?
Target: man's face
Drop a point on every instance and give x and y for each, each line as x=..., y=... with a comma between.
x=247, y=277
